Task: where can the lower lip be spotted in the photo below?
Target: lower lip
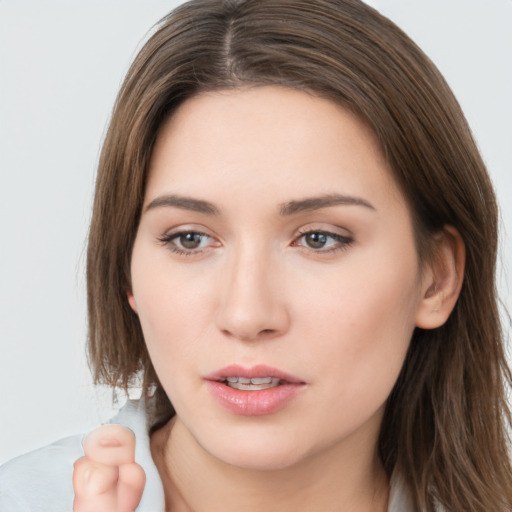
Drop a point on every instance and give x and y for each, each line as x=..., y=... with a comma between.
x=254, y=403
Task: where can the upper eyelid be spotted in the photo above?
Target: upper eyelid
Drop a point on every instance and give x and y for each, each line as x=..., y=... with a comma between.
x=342, y=240
x=335, y=236
x=187, y=228
x=334, y=230
x=169, y=237
x=168, y=240
x=176, y=231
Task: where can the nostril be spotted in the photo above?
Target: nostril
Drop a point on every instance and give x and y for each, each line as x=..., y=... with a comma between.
x=250, y=336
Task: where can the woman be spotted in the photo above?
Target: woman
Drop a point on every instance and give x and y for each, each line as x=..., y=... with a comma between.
x=293, y=242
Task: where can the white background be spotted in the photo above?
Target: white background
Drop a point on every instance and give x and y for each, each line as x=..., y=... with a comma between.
x=61, y=63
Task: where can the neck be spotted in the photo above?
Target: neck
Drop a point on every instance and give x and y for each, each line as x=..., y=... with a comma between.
x=344, y=478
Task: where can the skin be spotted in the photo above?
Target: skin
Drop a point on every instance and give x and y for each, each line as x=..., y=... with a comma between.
x=335, y=308
x=108, y=479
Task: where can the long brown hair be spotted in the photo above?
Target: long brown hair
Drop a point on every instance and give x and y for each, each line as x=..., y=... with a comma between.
x=445, y=425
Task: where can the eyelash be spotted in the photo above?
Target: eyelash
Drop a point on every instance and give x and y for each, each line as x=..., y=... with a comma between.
x=167, y=240
x=343, y=241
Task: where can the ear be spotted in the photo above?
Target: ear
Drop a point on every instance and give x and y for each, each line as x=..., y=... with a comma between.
x=131, y=301
x=442, y=279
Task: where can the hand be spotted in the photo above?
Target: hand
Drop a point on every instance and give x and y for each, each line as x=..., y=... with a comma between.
x=108, y=479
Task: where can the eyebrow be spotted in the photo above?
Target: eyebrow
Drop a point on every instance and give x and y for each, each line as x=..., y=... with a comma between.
x=186, y=203
x=316, y=203
x=290, y=208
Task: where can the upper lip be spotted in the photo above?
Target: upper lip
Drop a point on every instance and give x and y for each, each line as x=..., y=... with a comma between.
x=259, y=370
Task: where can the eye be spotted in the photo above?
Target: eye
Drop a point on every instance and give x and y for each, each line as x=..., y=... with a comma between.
x=190, y=240
x=187, y=242
x=323, y=241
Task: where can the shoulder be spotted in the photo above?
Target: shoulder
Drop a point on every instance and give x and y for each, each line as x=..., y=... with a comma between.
x=400, y=499
x=41, y=480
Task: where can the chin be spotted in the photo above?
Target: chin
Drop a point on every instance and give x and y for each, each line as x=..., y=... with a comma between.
x=261, y=461
x=255, y=453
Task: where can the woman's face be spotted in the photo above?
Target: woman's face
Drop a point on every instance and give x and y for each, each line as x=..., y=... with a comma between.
x=274, y=245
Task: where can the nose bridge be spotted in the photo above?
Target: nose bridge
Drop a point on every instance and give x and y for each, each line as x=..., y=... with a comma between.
x=252, y=303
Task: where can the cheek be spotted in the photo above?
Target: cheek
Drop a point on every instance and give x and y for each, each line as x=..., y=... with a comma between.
x=169, y=317
x=362, y=323
x=173, y=309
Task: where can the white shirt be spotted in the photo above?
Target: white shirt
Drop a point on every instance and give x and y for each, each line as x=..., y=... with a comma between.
x=41, y=481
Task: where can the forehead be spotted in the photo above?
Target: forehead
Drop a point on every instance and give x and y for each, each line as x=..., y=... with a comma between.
x=271, y=142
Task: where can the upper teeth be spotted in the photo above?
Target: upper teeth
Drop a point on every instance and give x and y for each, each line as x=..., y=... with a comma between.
x=254, y=383
x=254, y=380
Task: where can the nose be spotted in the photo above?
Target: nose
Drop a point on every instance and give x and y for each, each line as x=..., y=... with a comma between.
x=252, y=303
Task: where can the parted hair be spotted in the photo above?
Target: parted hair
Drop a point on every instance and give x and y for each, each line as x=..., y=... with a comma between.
x=445, y=424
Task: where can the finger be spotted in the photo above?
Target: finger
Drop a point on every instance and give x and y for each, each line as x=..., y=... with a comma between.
x=112, y=445
x=91, y=478
x=101, y=503
x=130, y=487
x=101, y=488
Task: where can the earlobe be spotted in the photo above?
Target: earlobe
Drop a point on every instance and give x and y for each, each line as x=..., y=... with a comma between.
x=131, y=301
x=443, y=281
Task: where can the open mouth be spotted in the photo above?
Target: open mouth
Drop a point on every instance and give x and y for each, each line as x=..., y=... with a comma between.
x=254, y=391
x=251, y=384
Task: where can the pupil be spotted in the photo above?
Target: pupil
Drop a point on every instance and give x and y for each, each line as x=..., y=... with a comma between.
x=316, y=240
x=190, y=240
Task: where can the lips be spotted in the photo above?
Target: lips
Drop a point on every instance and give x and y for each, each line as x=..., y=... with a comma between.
x=254, y=391
x=255, y=372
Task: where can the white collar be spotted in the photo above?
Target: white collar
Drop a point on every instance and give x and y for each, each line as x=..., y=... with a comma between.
x=133, y=415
